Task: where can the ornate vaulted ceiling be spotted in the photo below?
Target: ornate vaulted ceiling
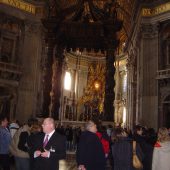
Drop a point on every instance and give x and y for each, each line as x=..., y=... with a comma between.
x=124, y=8
x=71, y=9
x=78, y=10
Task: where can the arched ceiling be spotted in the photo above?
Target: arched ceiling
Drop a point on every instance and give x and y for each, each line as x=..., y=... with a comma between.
x=72, y=9
x=124, y=10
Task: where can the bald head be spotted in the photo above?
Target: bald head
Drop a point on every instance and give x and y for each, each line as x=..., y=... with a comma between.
x=48, y=125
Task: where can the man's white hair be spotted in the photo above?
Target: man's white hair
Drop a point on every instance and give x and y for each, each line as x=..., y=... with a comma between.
x=51, y=121
x=88, y=124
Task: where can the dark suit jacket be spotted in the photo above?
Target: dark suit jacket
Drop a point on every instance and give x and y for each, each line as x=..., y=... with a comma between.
x=56, y=146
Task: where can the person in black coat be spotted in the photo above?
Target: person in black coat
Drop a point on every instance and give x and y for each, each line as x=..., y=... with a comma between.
x=146, y=148
x=34, y=132
x=90, y=154
x=49, y=148
x=122, y=150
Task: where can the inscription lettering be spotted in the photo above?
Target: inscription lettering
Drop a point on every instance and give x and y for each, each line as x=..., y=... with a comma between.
x=20, y=5
x=155, y=11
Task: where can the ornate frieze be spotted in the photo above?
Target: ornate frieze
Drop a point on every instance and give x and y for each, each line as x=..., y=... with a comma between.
x=24, y=6
x=148, y=12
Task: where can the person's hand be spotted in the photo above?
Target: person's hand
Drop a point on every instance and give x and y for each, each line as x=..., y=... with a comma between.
x=81, y=167
x=37, y=153
x=106, y=155
x=45, y=154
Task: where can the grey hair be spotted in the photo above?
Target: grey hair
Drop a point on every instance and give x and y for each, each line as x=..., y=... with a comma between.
x=88, y=125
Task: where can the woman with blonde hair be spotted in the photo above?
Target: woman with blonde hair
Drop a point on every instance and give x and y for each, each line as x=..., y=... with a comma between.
x=161, y=153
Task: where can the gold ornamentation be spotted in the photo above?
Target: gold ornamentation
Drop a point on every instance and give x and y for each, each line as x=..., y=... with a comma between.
x=27, y=7
x=94, y=92
x=146, y=12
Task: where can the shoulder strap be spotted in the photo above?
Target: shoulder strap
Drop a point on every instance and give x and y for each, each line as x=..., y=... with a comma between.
x=134, y=146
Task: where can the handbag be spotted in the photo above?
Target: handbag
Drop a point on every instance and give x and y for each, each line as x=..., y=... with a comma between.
x=136, y=161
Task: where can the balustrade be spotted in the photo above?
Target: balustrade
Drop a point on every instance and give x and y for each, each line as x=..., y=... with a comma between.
x=10, y=71
x=163, y=74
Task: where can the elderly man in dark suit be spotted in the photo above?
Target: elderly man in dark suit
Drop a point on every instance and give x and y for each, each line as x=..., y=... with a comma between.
x=49, y=147
x=90, y=153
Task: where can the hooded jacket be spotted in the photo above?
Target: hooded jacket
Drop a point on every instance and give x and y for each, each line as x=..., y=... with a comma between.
x=161, y=156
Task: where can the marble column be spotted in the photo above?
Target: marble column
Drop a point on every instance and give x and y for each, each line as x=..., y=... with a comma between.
x=149, y=51
x=111, y=26
x=117, y=91
x=47, y=79
x=131, y=92
x=109, y=86
x=57, y=83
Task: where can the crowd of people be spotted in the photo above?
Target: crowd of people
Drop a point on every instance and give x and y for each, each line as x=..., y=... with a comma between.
x=40, y=146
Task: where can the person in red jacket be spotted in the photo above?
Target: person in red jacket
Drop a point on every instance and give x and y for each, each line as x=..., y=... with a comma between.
x=105, y=143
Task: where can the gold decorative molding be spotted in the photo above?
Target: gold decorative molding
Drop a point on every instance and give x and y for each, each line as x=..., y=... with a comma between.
x=25, y=6
x=147, y=12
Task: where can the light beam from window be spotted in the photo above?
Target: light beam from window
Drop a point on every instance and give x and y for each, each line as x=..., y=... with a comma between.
x=67, y=81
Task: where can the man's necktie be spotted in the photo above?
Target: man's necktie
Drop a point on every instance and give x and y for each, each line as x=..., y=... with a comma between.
x=45, y=141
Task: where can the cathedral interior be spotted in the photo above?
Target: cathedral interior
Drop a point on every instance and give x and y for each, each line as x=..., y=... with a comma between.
x=75, y=60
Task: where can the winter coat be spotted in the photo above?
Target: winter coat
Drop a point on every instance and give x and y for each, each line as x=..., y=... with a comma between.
x=5, y=140
x=161, y=156
x=14, y=149
x=90, y=152
x=122, y=154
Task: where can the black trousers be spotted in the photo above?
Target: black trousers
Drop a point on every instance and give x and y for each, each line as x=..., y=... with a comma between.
x=4, y=162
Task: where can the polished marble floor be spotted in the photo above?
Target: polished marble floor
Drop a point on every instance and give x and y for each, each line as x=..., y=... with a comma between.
x=69, y=163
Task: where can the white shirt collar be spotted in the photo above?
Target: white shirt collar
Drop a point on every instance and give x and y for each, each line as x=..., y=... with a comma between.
x=50, y=134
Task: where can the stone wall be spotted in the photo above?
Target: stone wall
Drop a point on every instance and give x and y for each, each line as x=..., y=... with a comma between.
x=28, y=56
x=144, y=108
